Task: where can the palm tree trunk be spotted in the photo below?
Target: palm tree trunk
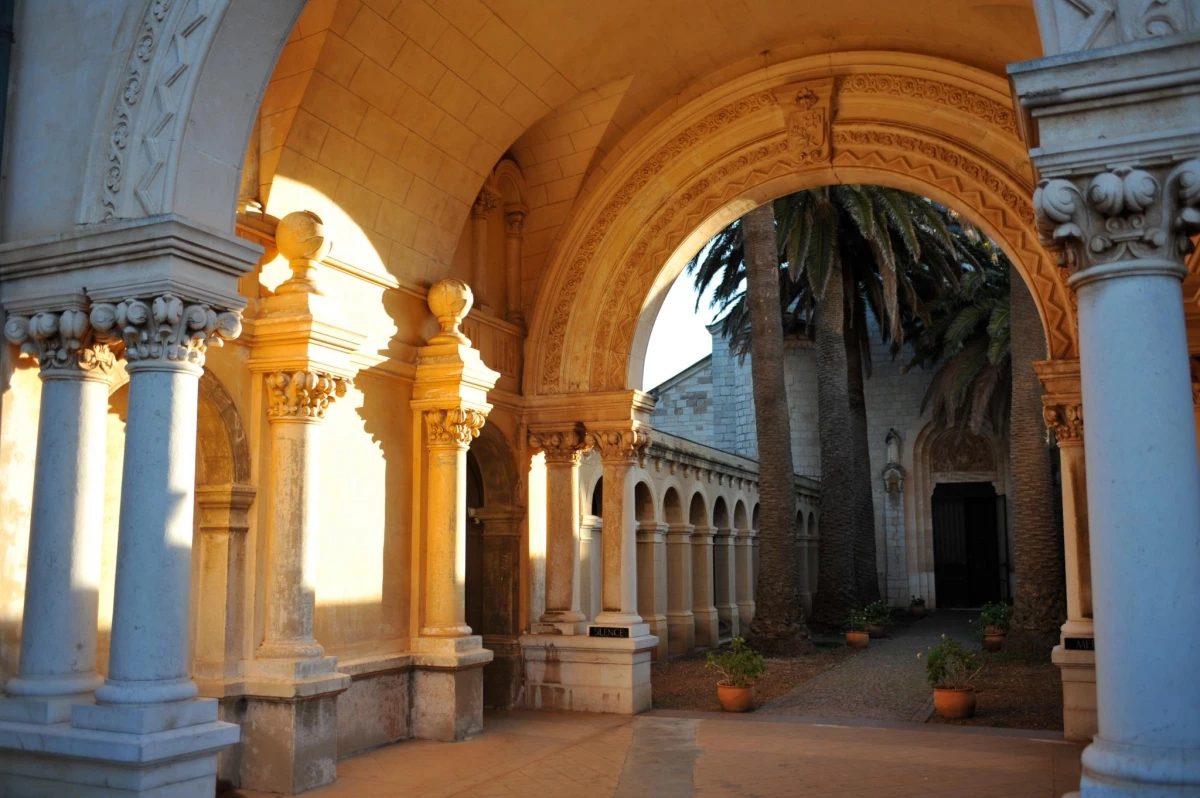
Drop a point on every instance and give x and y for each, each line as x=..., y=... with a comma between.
x=866, y=570
x=778, y=625
x=837, y=593
x=1040, y=602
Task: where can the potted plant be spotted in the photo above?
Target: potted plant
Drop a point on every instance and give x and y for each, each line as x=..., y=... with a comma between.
x=994, y=620
x=879, y=617
x=739, y=665
x=917, y=606
x=856, y=630
x=950, y=669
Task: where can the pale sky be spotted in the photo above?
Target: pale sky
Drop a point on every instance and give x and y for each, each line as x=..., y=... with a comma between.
x=679, y=337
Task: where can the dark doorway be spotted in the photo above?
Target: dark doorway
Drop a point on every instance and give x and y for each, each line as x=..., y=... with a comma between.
x=473, y=588
x=966, y=545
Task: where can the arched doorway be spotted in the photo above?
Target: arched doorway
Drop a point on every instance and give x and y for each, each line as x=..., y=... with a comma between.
x=966, y=545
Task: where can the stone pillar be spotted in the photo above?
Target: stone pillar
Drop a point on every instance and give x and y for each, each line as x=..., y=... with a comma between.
x=1118, y=200
x=744, y=565
x=619, y=449
x=301, y=345
x=450, y=404
x=223, y=523
x=708, y=631
x=591, y=554
x=514, y=226
x=563, y=448
x=1075, y=654
x=725, y=583
x=681, y=623
x=62, y=583
x=652, y=582
x=486, y=202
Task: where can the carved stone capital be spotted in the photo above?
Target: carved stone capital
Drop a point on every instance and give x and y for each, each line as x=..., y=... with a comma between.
x=454, y=427
x=618, y=445
x=485, y=203
x=562, y=446
x=302, y=395
x=514, y=222
x=165, y=329
x=1126, y=218
x=63, y=342
x=1066, y=420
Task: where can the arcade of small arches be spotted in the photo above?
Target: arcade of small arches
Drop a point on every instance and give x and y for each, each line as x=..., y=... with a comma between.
x=322, y=422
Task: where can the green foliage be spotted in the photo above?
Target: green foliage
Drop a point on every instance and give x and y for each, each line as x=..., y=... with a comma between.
x=878, y=613
x=739, y=665
x=995, y=616
x=950, y=666
x=856, y=621
x=917, y=601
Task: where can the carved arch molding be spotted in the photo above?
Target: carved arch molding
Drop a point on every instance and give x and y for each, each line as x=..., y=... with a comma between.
x=928, y=126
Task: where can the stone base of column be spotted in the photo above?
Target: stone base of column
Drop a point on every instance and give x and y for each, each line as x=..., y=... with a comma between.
x=729, y=621
x=1078, y=670
x=1113, y=770
x=681, y=632
x=557, y=627
x=746, y=612
x=20, y=709
x=158, y=751
x=708, y=627
x=448, y=687
x=659, y=628
x=589, y=674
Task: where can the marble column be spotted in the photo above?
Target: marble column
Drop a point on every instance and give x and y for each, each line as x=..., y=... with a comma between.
x=514, y=228
x=744, y=561
x=703, y=599
x=62, y=584
x=725, y=582
x=591, y=559
x=485, y=203
x=619, y=450
x=652, y=582
x=563, y=449
x=1118, y=156
x=1074, y=655
x=681, y=623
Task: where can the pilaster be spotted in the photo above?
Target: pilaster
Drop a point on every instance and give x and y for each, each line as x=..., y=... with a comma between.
x=563, y=447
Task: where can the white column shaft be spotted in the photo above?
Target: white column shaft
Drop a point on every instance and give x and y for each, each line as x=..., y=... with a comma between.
x=562, y=541
x=744, y=555
x=446, y=544
x=512, y=274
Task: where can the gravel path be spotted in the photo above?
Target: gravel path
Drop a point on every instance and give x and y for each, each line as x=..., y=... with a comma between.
x=886, y=682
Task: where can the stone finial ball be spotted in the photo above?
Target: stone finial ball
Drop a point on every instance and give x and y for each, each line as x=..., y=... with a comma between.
x=450, y=300
x=301, y=236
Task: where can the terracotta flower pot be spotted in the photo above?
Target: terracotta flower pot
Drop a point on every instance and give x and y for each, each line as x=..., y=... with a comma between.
x=954, y=703
x=735, y=699
x=917, y=610
x=875, y=630
x=858, y=639
x=993, y=641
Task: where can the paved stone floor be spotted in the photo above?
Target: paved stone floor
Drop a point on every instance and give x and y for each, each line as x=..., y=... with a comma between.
x=885, y=682
x=664, y=753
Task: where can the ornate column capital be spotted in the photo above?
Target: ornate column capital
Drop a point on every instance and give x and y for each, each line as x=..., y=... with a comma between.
x=562, y=446
x=303, y=395
x=454, y=428
x=486, y=202
x=514, y=221
x=618, y=445
x=165, y=329
x=1122, y=220
x=63, y=342
x=1066, y=420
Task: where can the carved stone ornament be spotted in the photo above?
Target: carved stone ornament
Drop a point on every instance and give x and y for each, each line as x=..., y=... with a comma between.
x=808, y=116
x=300, y=395
x=485, y=203
x=61, y=341
x=960, y=450
x=300, y=237
x=455, y=427
x=514, y=223
x=560, y=446
x=618, y=444
x=1076, y=25
x=165, y=328
x=450, y=300
x=1066, y=420
x=1126, y=214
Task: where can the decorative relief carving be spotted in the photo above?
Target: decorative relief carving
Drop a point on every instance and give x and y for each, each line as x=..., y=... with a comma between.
x=485, y=203
x=949, y=95
x=454, y=427
x=61, y=341
x=1066, y=420
x=960, y=450
x=616, y=445
x=298, y=395
x=1090, y=24
x=165, y=328
x=560, y=446
x=1125, y=214
x=893, y=472
x=514, y=223
x=808, y=114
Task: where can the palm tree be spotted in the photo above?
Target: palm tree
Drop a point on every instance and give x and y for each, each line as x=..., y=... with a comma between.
x=886, y=248
x=778, y=625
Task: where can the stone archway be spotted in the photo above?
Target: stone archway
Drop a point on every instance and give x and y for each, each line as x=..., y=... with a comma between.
x=928, y=126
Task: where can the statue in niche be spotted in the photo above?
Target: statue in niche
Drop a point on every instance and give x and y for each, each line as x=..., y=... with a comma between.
x=893, y=472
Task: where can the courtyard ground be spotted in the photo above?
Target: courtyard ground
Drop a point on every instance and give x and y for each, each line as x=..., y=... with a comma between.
x=671, y=753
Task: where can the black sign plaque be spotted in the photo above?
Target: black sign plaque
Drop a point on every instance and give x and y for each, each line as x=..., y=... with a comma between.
x=1079, y=643
x=608, y=631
